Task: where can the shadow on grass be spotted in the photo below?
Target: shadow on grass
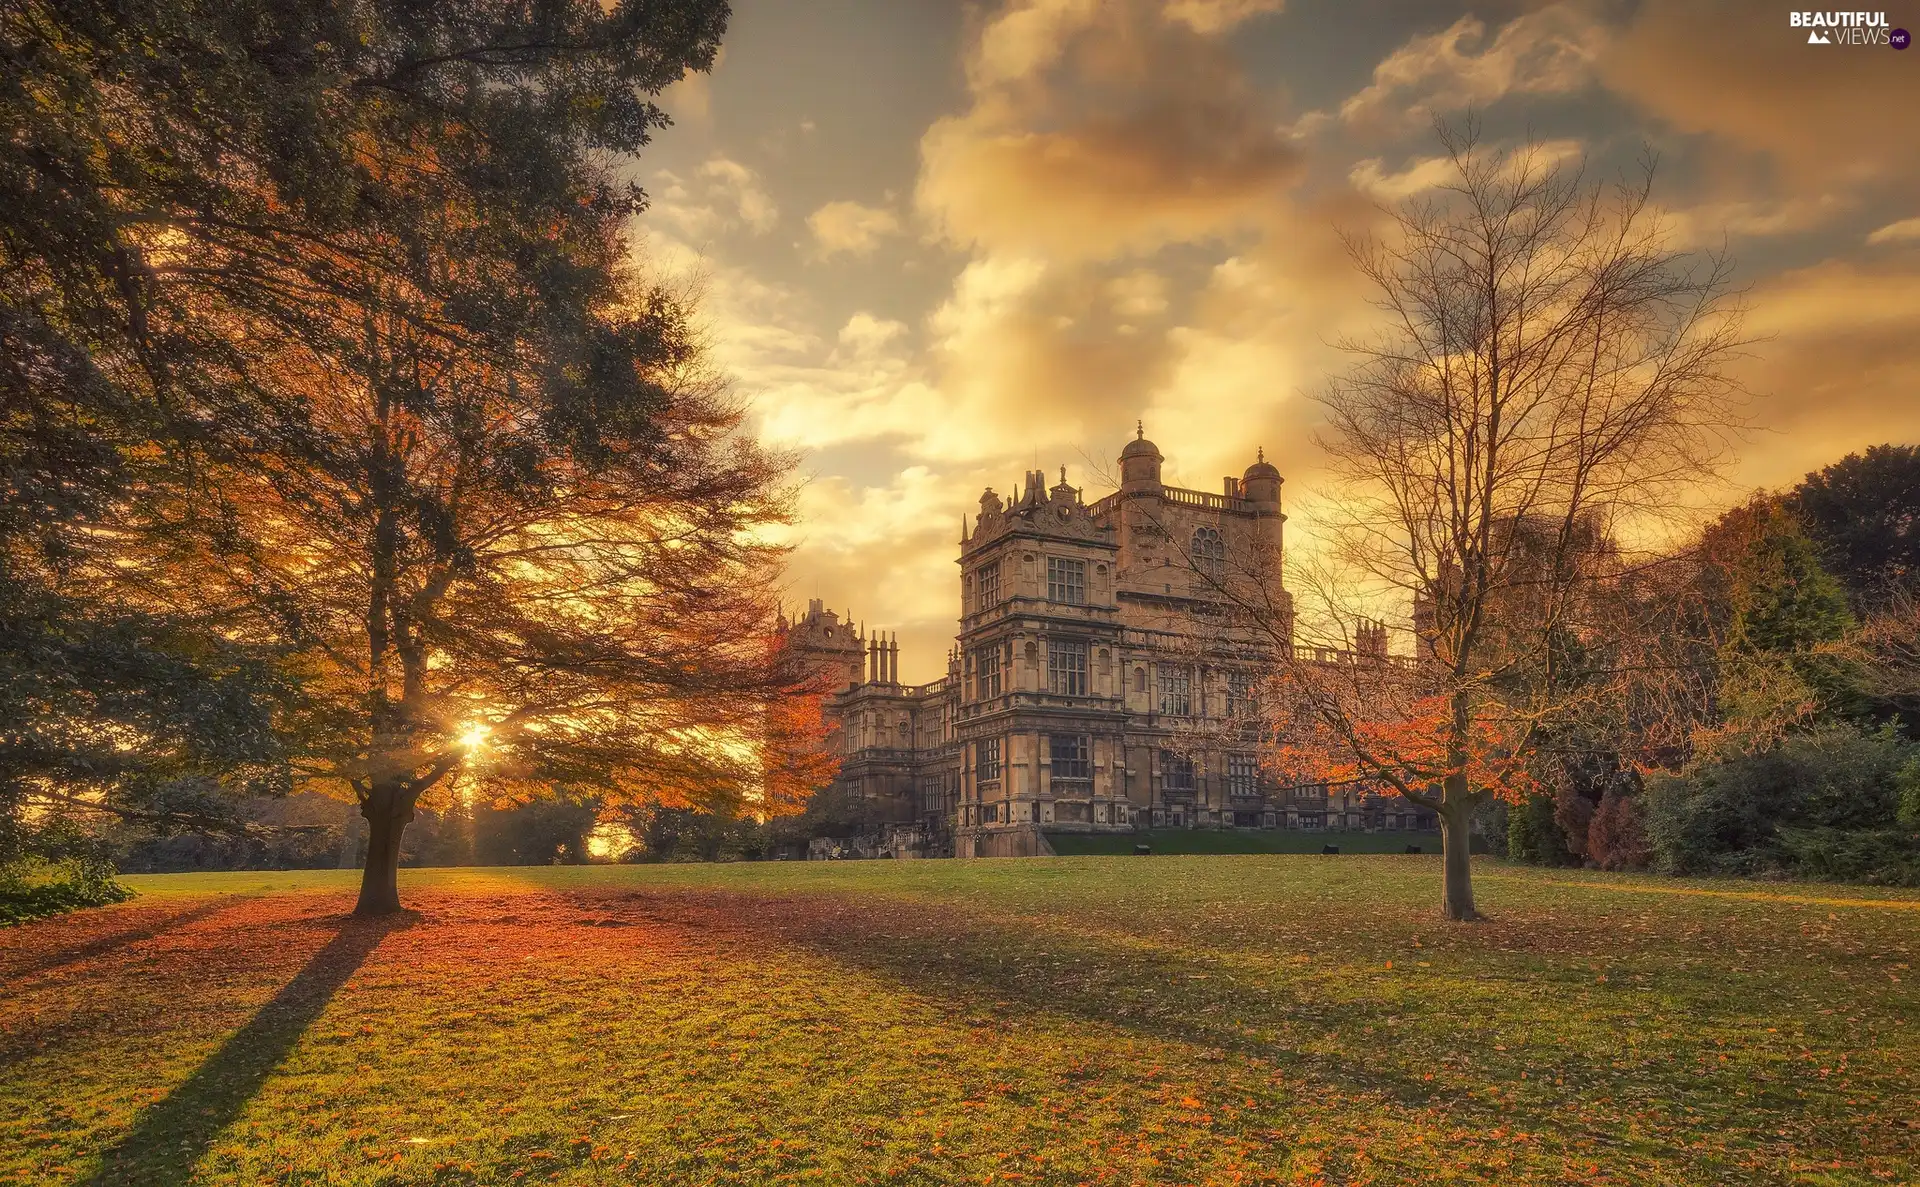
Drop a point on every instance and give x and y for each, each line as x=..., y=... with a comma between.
x=1382, y=1047
x=112, y=943
x=169, y=1136
x=1156, y=989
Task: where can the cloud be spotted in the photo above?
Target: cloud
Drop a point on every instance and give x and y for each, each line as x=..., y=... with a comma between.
x=1551, y=50
x=1258, y=342
x=865, y=386
x=1837, y=298
x=722, y=195
x=1710, y=222
x=1823, y=118
x=1099, y=127
x=1138, y=294
x=1097, y=135
x=1371, y=177
x=866, y=336
x=886, y=549
x=1905, y=231
x=851, y=227
x=1823, y=122
x=1217, y=16
x=1027, y=354
x=741, y=186
x=1835, y=368
x=690, y=100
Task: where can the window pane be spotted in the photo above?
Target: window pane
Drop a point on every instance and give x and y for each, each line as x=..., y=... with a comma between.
x=986, y=671
x=1176, y=691
x=1067, y=668
x=1242, y=775
x=1239, y=695
x=1209, y=552
x=1068, y=754
x=1066, y=581
x=986, y=760
x=989, y=595
x=1176, y=772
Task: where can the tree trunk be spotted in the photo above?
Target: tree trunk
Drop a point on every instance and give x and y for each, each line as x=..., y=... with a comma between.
x=387, y=816
x=1456, y=850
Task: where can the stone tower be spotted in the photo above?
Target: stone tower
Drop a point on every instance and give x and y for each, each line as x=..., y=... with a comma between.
x=826, y=645
x=1040, y=716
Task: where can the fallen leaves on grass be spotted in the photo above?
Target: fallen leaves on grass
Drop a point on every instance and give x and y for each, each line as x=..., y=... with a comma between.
x=893, y=1024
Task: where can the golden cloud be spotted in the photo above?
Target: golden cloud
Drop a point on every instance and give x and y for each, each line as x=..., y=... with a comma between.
x=1907, y=230
x=1217, y=16
x=1826, y=116
x=1096, y=128
x=1835, y=367
x=722, y=195
x=1551, y=50
x=851, y=227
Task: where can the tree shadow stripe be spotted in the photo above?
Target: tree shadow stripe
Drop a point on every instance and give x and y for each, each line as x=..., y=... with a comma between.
x=34, y=967
x=169, y=1136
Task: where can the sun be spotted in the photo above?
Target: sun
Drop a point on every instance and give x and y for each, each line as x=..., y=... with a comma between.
x=475, y=736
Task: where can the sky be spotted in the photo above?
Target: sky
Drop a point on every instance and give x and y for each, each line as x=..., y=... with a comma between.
x=940, y=244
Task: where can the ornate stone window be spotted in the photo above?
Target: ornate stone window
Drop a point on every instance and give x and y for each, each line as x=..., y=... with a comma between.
x=1243, y=775
x=1239, y=695
x=1069, y=756
x=1176, y=691
x=1209, y=552
x=1066, y=581
x=989, y=595
x=1176, y=773
x=1067, y=667
x=986, y=672
x=986, y=761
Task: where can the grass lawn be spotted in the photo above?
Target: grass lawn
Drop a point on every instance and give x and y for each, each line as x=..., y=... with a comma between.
x=1166, y=1020
x=1236, y=840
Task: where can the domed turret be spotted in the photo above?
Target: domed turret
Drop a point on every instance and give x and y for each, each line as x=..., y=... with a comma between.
x=1140, y=462
x=1261, y=483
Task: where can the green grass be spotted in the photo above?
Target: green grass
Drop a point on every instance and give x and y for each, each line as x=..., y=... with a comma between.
x=1173, y=1020
x=1208, y=840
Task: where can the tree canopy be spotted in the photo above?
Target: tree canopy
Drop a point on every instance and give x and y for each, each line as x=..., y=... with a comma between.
x=1864, y=510
x=354, y=283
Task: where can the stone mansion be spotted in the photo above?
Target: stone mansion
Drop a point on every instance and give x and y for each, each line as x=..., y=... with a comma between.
x=1083, y=692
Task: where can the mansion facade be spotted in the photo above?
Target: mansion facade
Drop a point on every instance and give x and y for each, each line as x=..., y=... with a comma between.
x=1090, y=687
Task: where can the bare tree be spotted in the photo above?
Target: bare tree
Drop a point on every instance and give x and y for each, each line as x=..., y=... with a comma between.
x=1552, y=372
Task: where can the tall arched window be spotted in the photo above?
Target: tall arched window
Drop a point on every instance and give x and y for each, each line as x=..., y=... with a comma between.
x=1209, y=552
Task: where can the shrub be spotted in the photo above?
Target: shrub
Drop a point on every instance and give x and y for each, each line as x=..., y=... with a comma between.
x=1493, y=827
x=1616, y=839
x=1908, y=784
x=1534, y=836
x=31, y=888
x=1573, y=812
x=287, y=849
x=1884, y=856
x=1739, y=814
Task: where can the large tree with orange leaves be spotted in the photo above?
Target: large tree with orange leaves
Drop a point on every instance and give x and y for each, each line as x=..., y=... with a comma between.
x=451, y=459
